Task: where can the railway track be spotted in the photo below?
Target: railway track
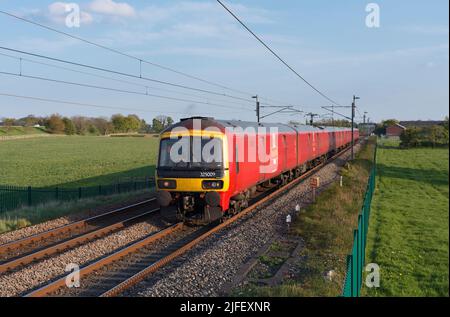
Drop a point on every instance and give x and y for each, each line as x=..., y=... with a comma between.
x=112, y=275
x=18, y=253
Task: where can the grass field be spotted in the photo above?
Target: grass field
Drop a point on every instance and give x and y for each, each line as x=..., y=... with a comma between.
x=409, y=225
x=327, y=230
x=76, y=161
x=27, y=216
x=14, y=131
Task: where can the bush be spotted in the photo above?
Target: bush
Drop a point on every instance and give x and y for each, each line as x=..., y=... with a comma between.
x=55, y=124
x=428, y=137
x=69, y=127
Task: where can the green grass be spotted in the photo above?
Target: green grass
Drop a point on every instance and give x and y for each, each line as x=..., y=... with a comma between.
x=327, y=230
x=76, y=161
x=28, y=216
x=14, y=131
x=408, y=232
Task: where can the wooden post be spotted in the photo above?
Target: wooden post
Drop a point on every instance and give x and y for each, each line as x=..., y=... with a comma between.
x=315, y=183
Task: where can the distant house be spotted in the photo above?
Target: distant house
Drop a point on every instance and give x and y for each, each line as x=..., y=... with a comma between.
x=395, y=130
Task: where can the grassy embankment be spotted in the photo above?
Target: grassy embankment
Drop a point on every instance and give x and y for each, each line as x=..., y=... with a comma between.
x=327, y=229
x=409, y=228
x=71, y=162
x=17, y=131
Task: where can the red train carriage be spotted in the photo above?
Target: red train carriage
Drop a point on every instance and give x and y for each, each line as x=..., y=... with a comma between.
x=210, y=168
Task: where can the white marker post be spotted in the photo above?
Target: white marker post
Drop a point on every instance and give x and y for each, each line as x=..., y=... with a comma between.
x=341, y=181
x=288, y=222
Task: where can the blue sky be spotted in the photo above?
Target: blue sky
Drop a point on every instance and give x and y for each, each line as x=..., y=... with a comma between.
x=399, y=70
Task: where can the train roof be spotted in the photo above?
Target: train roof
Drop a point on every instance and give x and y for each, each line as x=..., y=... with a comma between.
x=223, y=124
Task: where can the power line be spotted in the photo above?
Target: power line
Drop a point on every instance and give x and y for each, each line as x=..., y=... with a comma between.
x=123, y=74
x=83, y=104
x=115, y=90
x=110, y=78
x=275, y=54
x=141, y=60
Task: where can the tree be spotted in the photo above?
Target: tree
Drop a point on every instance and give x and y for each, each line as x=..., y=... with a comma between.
x=103, y=126
x=93, y=130
x=69, y=127
x=119, y=123
x=133, y=123
x=30, y=120
x=410, y=137
x=157, y=126
x=160, y=123
x=446, y=123
x=55, y=124
x=81, y=124
x=8, y=123
x=436, y=135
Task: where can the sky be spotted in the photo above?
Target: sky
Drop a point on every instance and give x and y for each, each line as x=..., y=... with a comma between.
x=399, y=69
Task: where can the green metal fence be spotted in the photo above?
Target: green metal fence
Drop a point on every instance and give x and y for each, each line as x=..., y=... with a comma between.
x=356, y=260
x=13, y=197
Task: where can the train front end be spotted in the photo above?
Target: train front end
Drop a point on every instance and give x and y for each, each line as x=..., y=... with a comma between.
x=192, y=176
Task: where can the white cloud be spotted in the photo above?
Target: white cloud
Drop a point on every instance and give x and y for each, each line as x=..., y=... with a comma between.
x=57, y=14
x=109, y=7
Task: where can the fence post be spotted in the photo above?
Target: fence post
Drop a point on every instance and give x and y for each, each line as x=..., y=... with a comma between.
x=350, y=273
x=118, y=188
x=29, y=196
x=79, y=192
x=56, y=193
x=355, y=265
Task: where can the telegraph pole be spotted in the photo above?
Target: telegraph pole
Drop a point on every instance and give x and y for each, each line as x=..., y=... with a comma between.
x=353, y=124
x=365, y=113
x=257, y=108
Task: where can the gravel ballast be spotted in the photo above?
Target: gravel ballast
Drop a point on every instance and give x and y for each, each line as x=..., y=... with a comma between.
x=35, y=274
x=204, y=270
x=61, y=221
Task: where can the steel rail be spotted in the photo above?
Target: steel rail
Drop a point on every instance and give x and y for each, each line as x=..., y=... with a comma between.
x=61, y=282
x=133, y=280
x=13, y=245
x=58, y=248
x=167, y=259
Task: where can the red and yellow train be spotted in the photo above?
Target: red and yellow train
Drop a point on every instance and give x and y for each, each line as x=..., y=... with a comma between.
x=210, y=168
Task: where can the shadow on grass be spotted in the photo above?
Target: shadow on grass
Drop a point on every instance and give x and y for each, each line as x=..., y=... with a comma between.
x=432, y=176
x=137, y=174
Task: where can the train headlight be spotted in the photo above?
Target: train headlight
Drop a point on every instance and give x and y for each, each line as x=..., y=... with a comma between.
x=212, y=184
x=167, y=184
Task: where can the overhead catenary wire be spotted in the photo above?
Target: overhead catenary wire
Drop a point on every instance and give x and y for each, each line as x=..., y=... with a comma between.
x=21, y=59
x=140, y=60
x=75, y=103
x=275, y=54
x=116, y=72
x=116, y=51
x=117, y=90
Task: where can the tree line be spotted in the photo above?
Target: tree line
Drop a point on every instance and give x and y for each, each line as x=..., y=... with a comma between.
x=426, y=136
x=431, y=136
x=81, y=125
